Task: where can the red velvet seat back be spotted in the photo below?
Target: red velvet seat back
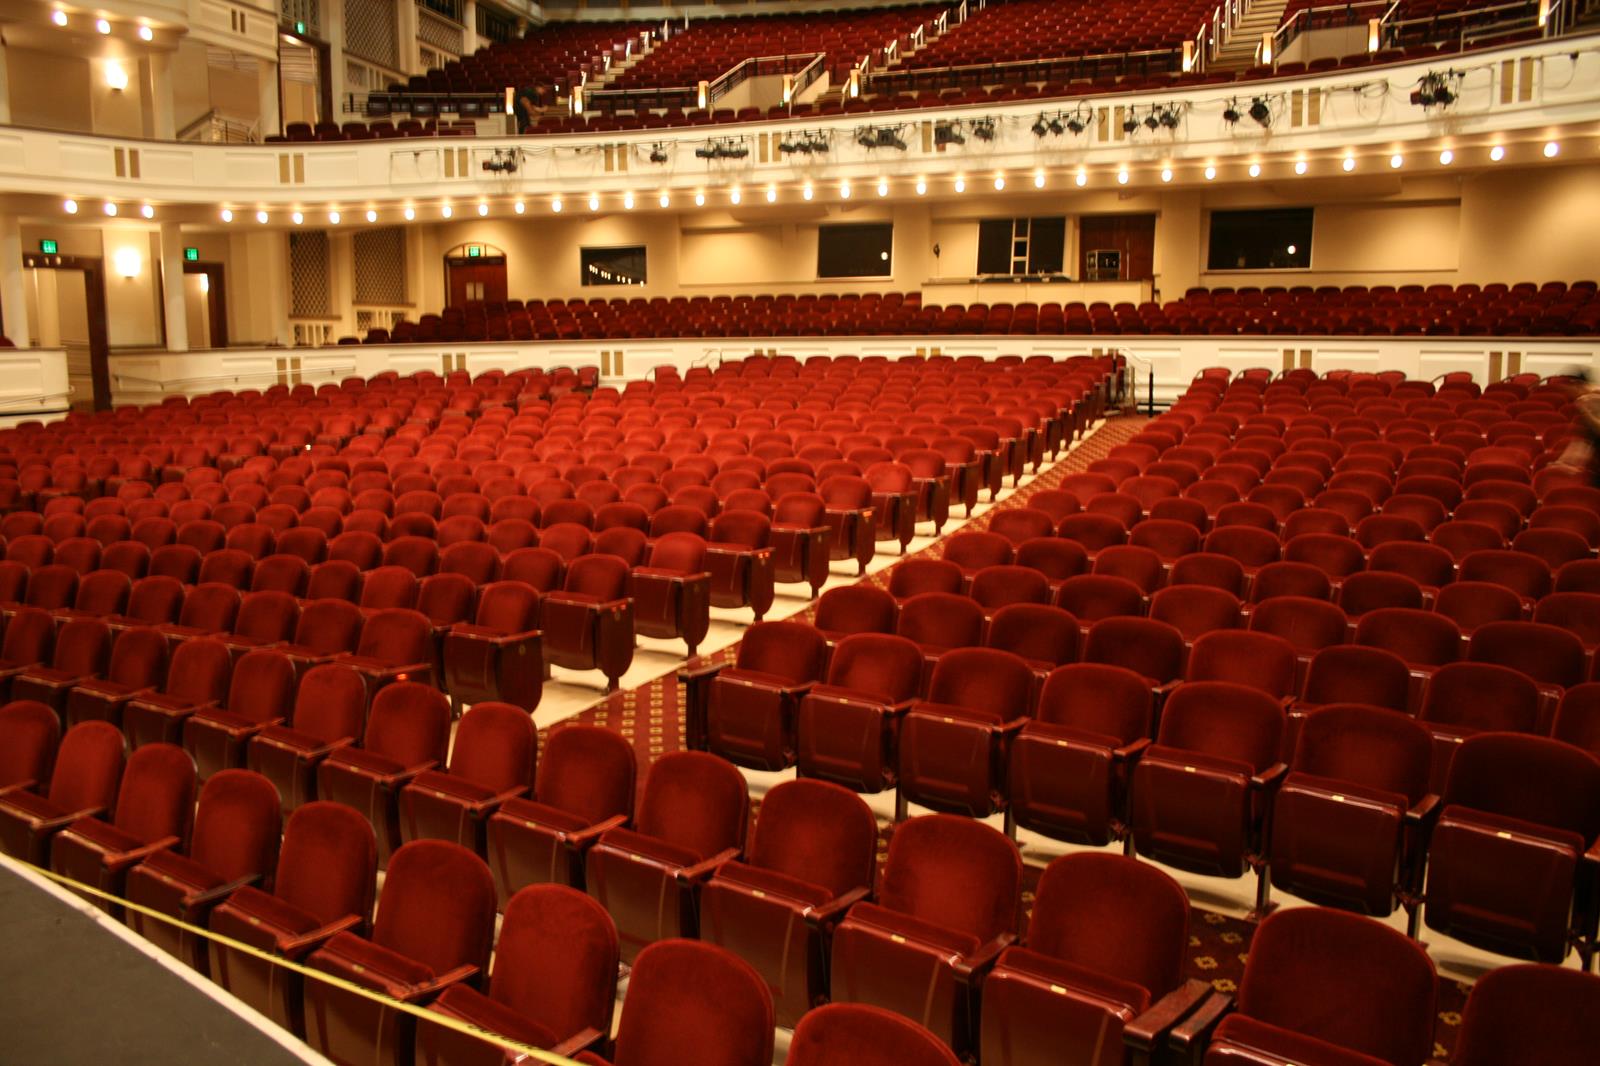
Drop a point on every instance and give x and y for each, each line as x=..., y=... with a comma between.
x=495, y=747
x=409, y=723
x=694, y=1002
x=587, y=771
x=791, y=650
x=263, y=685
x=30, y=732
x=236, y=826
x=1225, y=720
x=855, y=609
x=816, y=832
x=1104, y=700
x=696, y=801
x=156, y=797
x=1343, y=979
x=1528, y=1013
x=556, y=959
x=854, y=1034
x=1533, y=779
x=1150, y=648
x=328, y=862
x=331, y=703
x=1115, y=916
x=941, y=619
x=1367, y=746
x=953, y=872
x=437, y=906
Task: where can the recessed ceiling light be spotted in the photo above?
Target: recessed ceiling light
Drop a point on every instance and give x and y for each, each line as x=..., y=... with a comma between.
x=227, y=215
x=147, y=211
x=555, y=205
x=1038, y=179
x=922, y=187
x=519, y=207
x=334, y=218
x=961, y=185
x=483, y=209
x=772, y=194
x=736, y=196
x=372, y=216
x=666, y=200
x=1211, y=173
x=410, y=213
x=1082, y=178
x=806, y=192
x=146, y=33
x=1255, y=170
x=1551, y=149
x=1349, y=163
x=883, y=186
x=110, y=209
x=1446, y=157
x=297, y=218
x=1122, y=176
x=699, y=199
x=70, y=207
x=594, y=201
x=627, y=201
x=844, y=190
x=261, y=217
x=1497, y=153
x=59, y=17
x=1300, y=166
x=1166, y=174
x=102, y=25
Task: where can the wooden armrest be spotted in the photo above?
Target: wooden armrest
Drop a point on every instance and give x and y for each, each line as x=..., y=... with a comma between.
x=1271, y=777
x=18, y=786
x=821, y=915
x=583, y=837
x=970, y=969
x=212, y=895
x=1148, y=1030
x=1131, y=751
x=1425, y=811
x=317, y=753
x=63, y=820
x=1191, y=1035
x=299, y=944
x=579, y=1042
x=443, y=981
x=701, y=667
x=138, y=855
x=702, y=870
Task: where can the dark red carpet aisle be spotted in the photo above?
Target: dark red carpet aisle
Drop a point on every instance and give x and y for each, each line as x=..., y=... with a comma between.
x=650, y=716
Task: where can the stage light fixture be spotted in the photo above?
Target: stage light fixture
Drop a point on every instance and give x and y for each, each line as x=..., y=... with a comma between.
x=948, y=133
x=1230, y=114
x=983, y=129
x=658, y=153
x=1040, y=127
x=1260, y=112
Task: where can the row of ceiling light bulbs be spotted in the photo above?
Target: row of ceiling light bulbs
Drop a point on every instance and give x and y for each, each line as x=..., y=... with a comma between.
x=808, y=191
x=102, y=26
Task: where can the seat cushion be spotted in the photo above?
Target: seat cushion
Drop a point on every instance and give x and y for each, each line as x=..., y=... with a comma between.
x=360, y=960
x=31, y=806
x=897, y=924
x=527, y=810
x=182, y=870
x=773, y=883
x=1272, y=1044
x=473, y=1006
x=265, y=909
x=1070, y=975
x=104, y=835
x=650, y=847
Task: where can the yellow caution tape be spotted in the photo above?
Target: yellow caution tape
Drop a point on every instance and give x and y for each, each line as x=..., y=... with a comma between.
x=432, y=1017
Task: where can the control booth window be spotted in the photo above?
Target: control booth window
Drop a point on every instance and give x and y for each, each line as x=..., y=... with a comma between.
x=855, y=250
x=1021, y=245
x=613, y=266
x=1275, y=239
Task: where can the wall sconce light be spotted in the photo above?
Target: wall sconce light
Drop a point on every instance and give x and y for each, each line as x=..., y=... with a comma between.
x=127, y=262
x=116, y=76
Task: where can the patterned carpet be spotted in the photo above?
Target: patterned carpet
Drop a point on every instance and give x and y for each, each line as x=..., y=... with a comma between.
x=650, y=716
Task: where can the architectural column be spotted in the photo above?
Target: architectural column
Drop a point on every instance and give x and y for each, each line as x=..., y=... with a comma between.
x=13, y=282
x=5, y=87
x=174, y=298
x=333, y=33
x=407, y=27
x=157, y=68
x=341, y=278
x=271, y=120
x=469, y=19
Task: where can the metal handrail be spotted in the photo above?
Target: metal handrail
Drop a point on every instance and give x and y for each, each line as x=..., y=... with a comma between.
x=1300, y=21
x=954, y=73
x=217, y=379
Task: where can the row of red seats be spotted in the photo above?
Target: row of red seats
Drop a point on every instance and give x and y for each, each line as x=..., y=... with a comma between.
x=1017, y=1002
x=1469, y=309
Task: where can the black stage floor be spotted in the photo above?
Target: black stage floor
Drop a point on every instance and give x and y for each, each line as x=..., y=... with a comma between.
x=72, y=991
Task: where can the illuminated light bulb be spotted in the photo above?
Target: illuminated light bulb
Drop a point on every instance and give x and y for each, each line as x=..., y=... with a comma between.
x=110, y=209
x=699, y=199
x=102, y=26
x=1446, y=157
x=999, y=182
x=883, y=186
x=594, y=201
x=772, y=194
x=447, y=211
x=71, y=207
x=555, y=205
x=844, y=190
x=735, y=196
x=1122, y=176
x=483, y=209
x=1497, y=153
x=147, y=34
x=410, y=213
x=1300, y=166
x=1255, y=170
x=519, y=207
x=297, y=218
x=1551, y=149
x=261, y=217
x=922, y=187
x=1081, y=178
x=59, y=17
x=147, y=211
x=961, y=185
x=1211, y=173
x=1349, y=163
x=372, y=216
x=1166, y=174
x=627, y=201
x=666, y=200
x=227, y=215
x=1038, y=179
x=1396, y=161
x=806, y=193
x=334, y=218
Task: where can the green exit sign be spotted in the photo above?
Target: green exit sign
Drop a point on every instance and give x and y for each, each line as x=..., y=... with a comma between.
x=474, y=251
x=47, y=246
x=299, y=27
x=192, y=254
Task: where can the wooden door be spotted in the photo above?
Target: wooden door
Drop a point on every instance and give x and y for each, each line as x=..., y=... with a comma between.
x=474, y=280
x=1132, y=235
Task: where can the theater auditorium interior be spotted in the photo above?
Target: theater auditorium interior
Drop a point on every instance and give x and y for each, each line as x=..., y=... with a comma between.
x=826, y=532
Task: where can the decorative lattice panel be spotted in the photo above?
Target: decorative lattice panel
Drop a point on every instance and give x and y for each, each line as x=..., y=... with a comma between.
x=380, y=263
x=369, y=31
x=440, y=33
x=309, y=294
x=377, y=318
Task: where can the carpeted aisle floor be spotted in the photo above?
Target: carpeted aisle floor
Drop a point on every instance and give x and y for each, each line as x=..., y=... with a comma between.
x=650, y=716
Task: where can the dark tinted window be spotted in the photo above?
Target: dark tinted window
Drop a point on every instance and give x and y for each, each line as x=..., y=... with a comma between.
x=613, y=266
x=856, y=250
x=1260, y=240
x=1021, y=245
